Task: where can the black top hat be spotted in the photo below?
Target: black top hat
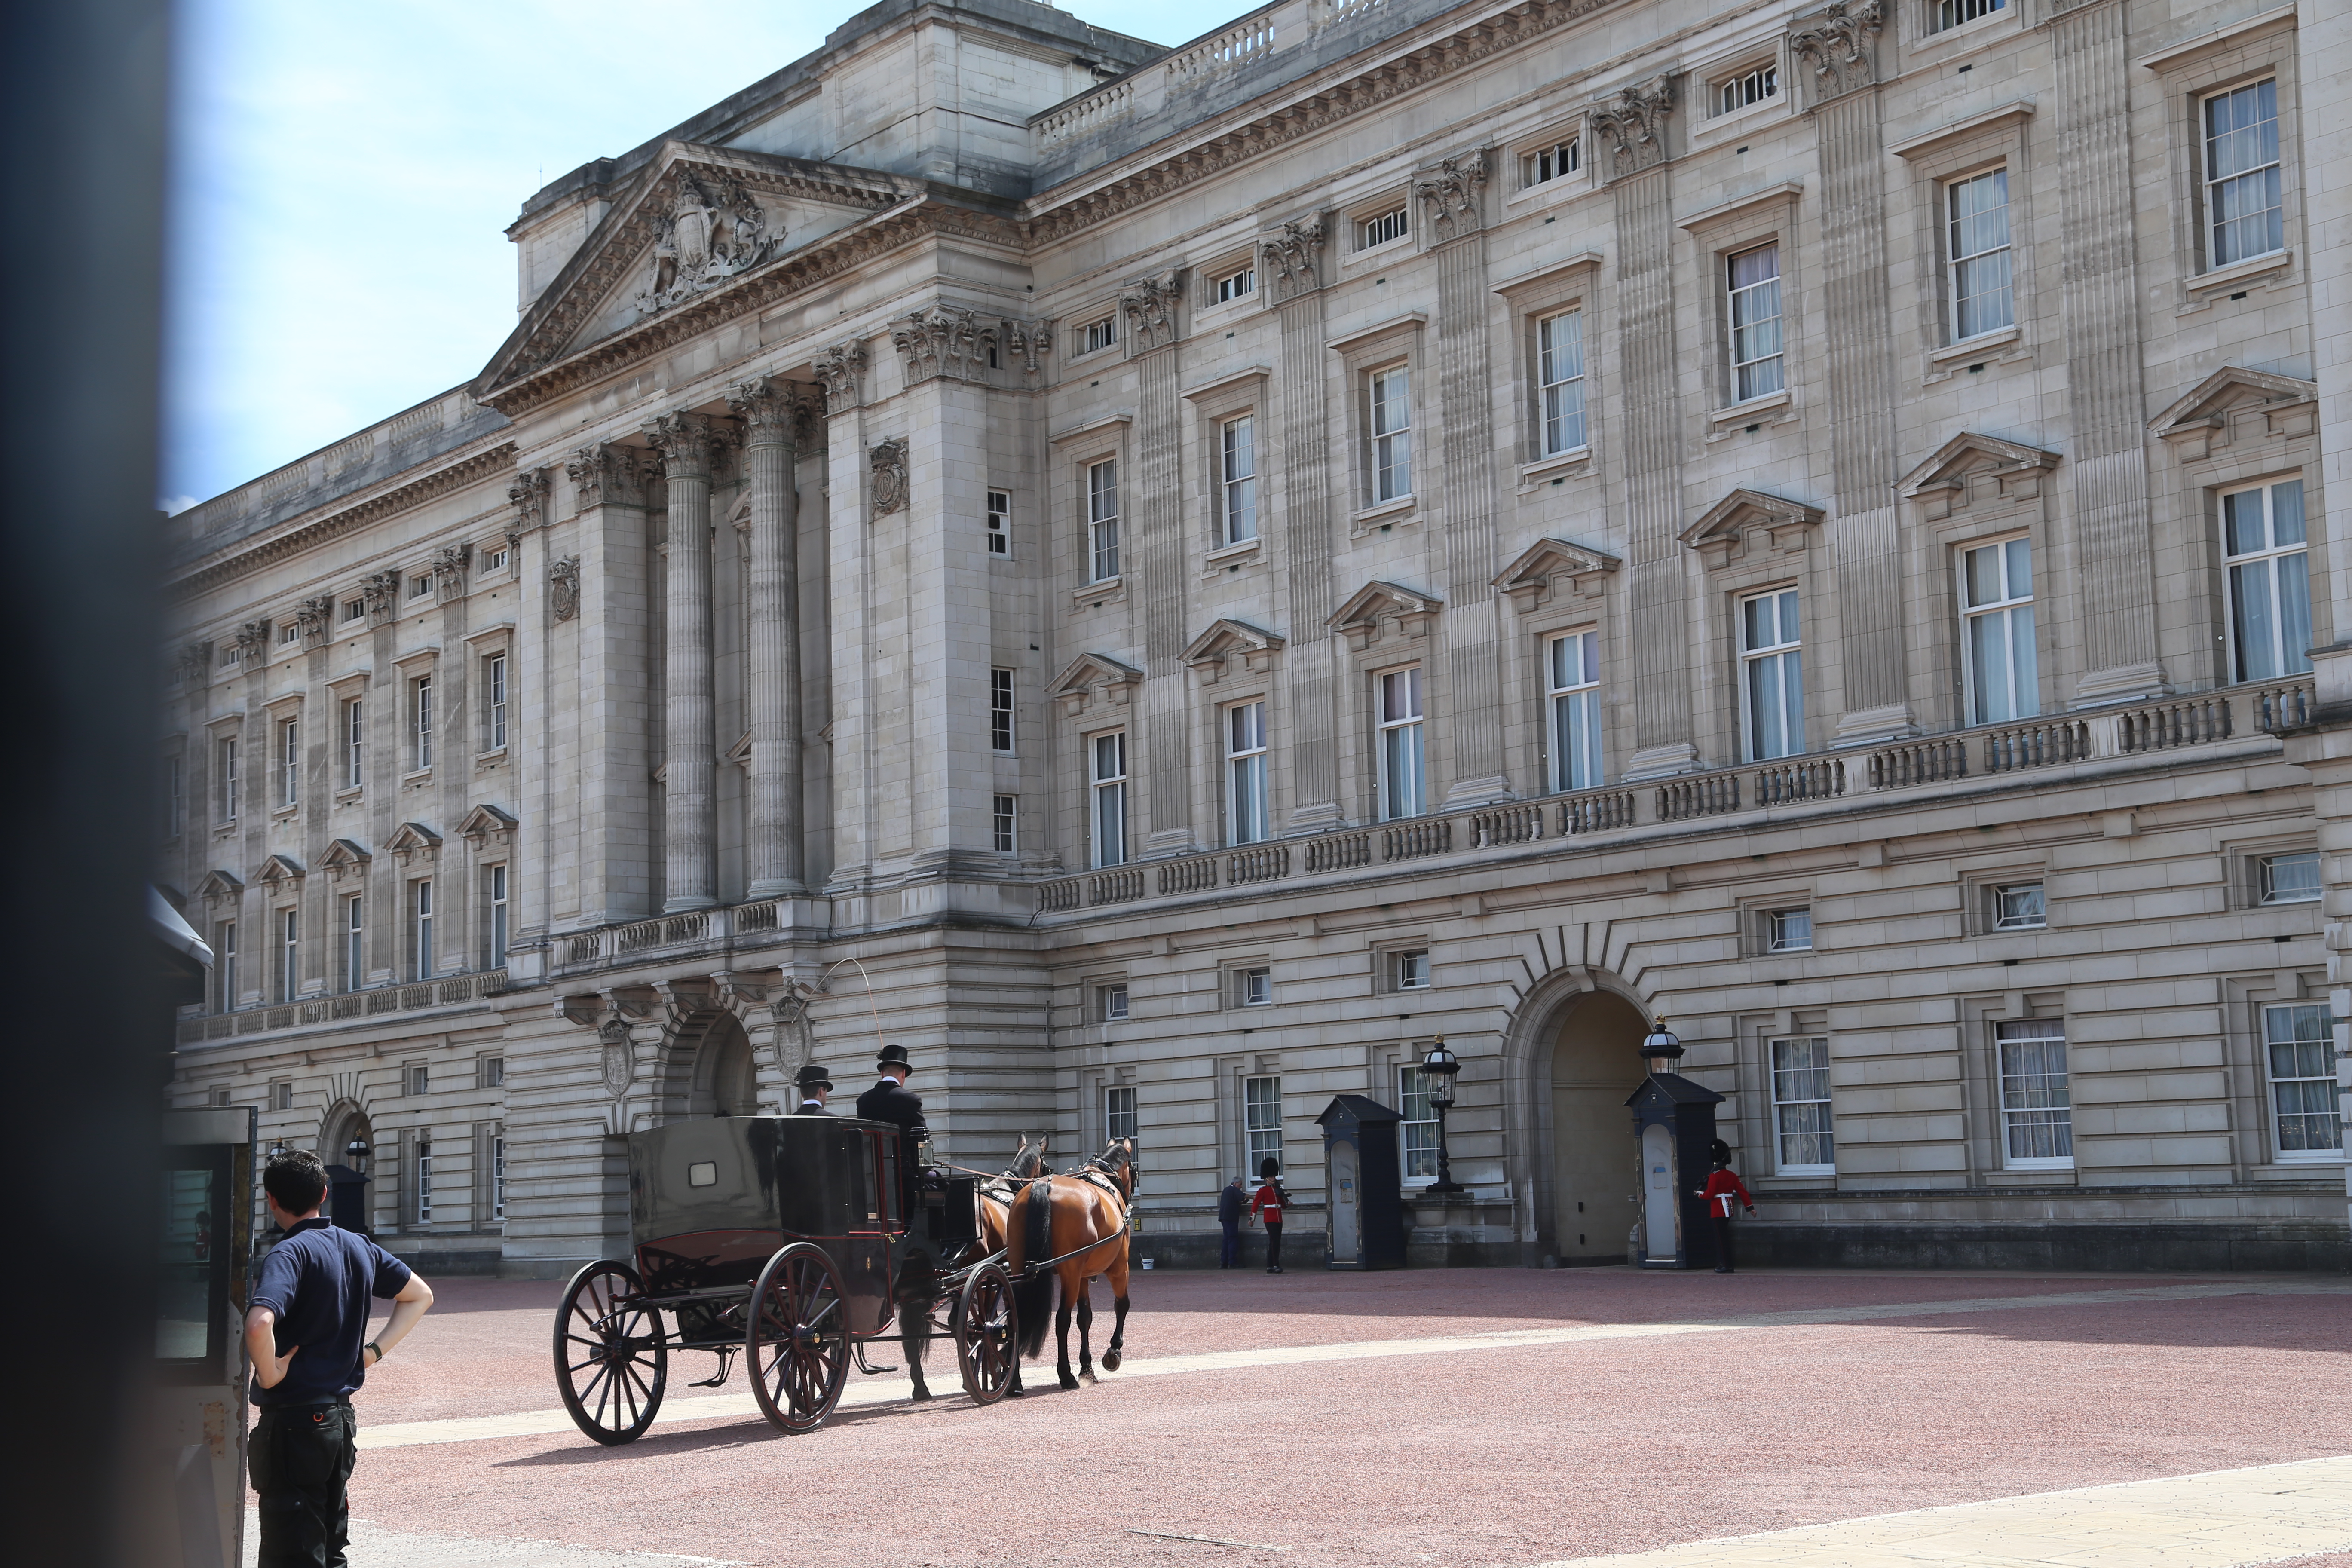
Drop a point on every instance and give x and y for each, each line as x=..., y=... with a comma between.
x=813, y=1077
x=894, y=1057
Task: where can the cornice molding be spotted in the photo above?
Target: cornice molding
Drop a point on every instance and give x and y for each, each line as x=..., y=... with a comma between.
x=1188, y=165
x=484, y=465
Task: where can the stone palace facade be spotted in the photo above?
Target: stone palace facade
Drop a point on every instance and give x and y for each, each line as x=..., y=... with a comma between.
x=1167, y=581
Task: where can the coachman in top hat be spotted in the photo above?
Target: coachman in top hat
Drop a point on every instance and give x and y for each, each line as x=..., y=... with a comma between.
x=814, y=1087
x=891, y=1101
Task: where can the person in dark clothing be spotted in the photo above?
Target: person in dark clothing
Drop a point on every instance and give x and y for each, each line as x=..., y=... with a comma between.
x=1267, y=1206
x=1232, y=1204
x=815, y=1086
x=891, y=1101
x=303, y=1329
x=1721, y=1188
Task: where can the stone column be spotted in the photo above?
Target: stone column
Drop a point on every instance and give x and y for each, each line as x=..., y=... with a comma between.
x=770, y=410
x=1858, y=368
x=528, y=733
x=2100, y=289
x=850, y=568
x=689, y=834
x=1452, y=204
x=1630, y=132
x=603, y=588
x=1293, y=258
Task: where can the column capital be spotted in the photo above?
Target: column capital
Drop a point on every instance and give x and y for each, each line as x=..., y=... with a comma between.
x=1632, y=125
x=606, y=473
x=528, y=495
x=686, y=441
x=773, y=409
x=839, y=370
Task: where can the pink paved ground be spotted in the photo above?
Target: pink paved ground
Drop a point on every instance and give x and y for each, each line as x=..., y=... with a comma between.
x=1484, y=1457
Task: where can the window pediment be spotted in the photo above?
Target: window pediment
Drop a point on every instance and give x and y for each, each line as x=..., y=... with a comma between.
x=1208, y=655
x=344, y=858
x=220, y=888
x=2198, y=424
x=1378, y=607
x=279, y=870
x=1093, y=674
x=1549, y=565
x=1729, y=527
x=1971, y=466
x=486, y=824
x=411, y=839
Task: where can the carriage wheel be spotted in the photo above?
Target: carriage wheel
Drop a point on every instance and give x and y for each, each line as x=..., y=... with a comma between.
x=798, y=1340
x=986, y=1334
x=612, y=1362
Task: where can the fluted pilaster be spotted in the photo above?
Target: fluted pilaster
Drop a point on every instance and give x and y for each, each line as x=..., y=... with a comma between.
x=689, y=830
x=771, y=411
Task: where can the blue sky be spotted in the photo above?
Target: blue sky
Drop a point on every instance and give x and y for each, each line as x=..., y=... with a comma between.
x=345, y=174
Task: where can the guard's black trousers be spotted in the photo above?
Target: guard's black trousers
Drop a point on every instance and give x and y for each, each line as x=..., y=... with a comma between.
x=1274, y=1247
x=301, y=1459
x=1723, y=1241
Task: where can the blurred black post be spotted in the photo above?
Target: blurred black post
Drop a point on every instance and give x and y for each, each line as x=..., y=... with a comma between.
x=83, y=92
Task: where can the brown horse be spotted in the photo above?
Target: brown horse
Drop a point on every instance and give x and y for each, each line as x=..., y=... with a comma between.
x=918, y=1288
x=1081, y=1220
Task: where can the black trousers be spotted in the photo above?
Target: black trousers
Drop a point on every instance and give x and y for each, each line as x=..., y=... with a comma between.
x=1229, y=1255
x=301, y=1458
x=1723, y=1241
x=1274, y=1247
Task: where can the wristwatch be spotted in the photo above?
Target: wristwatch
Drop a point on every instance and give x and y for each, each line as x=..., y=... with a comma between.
x=372, y=1345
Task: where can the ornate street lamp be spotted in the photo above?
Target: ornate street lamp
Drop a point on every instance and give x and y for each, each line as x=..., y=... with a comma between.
x=1662, y=1049
x=355, y=1156
x=1441, y=1065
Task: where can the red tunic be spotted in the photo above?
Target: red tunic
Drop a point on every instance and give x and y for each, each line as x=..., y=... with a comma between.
x=1720, y=1187
x=1268, y=1204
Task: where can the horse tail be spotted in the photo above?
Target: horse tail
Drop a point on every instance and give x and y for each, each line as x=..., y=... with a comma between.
x=1033, y=1285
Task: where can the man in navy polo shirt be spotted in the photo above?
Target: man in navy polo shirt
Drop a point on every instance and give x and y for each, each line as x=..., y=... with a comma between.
x=303, y=1329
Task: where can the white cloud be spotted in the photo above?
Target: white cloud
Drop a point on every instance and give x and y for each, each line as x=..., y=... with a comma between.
x=346, y=175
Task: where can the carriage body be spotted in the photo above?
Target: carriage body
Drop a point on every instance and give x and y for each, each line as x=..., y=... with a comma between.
x=782, y=1232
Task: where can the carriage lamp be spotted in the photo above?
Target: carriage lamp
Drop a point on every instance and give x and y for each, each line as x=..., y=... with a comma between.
x=1441, y=1065
x=355, y=1156
x=1662, y=1048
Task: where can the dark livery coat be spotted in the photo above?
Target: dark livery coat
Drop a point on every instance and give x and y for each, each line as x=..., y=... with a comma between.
x=896, y=1103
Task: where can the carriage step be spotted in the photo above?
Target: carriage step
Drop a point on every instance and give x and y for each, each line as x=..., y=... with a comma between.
x=869, y=1370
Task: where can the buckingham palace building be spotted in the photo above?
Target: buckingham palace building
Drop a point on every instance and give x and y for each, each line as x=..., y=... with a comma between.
x=1169, y=581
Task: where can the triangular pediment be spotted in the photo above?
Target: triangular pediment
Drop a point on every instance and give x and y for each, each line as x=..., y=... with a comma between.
x=2199, y=421
x=279, y=870
x=1748, y=521
x=695, y=222
x=220, y=888
x=344, y=854
x=1968, y=454
x=1209, y=654
x=1379, y=607
x=1091, y=675
x=1549, y=567
x=487, y=822
x=412, y=839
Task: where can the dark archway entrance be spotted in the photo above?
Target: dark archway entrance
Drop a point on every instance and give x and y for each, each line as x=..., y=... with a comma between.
x=349, y=1206
x=727, y=1081
x=1596, y=1064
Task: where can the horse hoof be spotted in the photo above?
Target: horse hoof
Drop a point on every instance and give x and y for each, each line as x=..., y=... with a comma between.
x=923, y=1393
x=1110, y=1360
x=1087, y=1377
x=1068, y=1382
x=1016, y=1391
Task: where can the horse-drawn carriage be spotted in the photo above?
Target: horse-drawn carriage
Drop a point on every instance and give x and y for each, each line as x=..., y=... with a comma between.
x=781, y=1239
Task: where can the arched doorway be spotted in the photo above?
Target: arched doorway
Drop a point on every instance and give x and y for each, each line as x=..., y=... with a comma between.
x=727, y=1081
x=1596, y=1066
x=349, y=1204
